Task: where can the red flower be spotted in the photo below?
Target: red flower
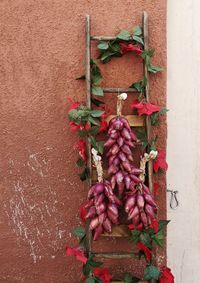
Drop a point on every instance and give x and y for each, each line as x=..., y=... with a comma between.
x=73, y=104
x=145, y=108
x=154, y=225
x=125, y=48
x=166, y=275
x=83, y=213
x=79, y=254
x=139, y=227
x=74, y=126
x=131, y=226
x=81, y=147
x=146, y=250
x=156, y=186
x=103, y=274
x=160, y=162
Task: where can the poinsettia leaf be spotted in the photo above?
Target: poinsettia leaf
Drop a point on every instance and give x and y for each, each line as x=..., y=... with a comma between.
x=158, y=238
x=145, y=239
x=94, y=121
x=90, y=280
x=96, y=113
x=100, y=146
x=81, y=77
x=92, y=141
x=162, y=224
x=135, y=235
x=94, y=130
x=86, y=269
x=79, y=232
x=124, y=35
x=155, y=119
x=85, y=174
x=163, y=111
x=80, y=162
x=94, y=263
x=98, y=280
x=97, y=102
x=115, y=47
x=151, y=272
x=106, y=55
x=137, y=30
x=103, y=45
x=138, y=39
x=128, y=278
x=97, y=90
x=154, y=69
x=82, y=133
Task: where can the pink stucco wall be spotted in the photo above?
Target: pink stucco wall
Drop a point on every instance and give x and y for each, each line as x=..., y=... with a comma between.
x=42, y=52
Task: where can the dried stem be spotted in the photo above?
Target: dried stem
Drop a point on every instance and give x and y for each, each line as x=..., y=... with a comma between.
x=98, y=164
x=147, y=157
x=120, y=101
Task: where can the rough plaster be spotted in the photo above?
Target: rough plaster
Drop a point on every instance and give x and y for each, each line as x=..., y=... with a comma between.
x=42, y=51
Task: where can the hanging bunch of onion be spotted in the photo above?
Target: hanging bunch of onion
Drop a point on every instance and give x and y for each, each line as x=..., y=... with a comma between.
x=120, y=143
x=102, y=208
x=140, y=206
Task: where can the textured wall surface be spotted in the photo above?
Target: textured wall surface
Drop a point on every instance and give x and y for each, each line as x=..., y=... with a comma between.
x=184, y=138
x=42, y=51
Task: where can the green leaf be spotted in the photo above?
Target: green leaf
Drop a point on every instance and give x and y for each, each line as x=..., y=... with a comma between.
x=115, y=47
x=163, y=111
x=93, y=121
x=151, y=272
x=97, y=113
x=97, y=102
x=127, y=278
x=154, y=119
x=96, y=90
x=93, y=263
x=94, y=130
x=82, y=133
x=100, y=146
x=90, y=280
x=154, y=69
x=73, y=114
x=81, y=77
x=145, y=239
x=103, y=45
x=80, y=162
x=92, y=141
x=159, y=238
x=86, y=269
x=138, y=39
x=124, y=35
x=162, y=224
x=137, y=30
x=85, y=174
x=135, y=235
x=106, y=56
x=79, y=232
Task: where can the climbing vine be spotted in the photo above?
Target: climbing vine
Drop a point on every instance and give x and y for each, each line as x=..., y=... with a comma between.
x=126, y=185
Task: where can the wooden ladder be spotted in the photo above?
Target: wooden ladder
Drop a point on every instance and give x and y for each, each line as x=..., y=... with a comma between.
x=134, y=121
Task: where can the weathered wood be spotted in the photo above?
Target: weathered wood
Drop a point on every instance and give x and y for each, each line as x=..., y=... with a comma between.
x=102, y=37
x=118, y=90
x=116, y=255
x=148, y=121
x=88, y=100
x=134, y=120
x=118, y=231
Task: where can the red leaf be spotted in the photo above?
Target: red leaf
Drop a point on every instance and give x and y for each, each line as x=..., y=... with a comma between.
x=131, y=226
x=156, y=186
x=79, y=254
x=103, y=274
x=73, y=104
x=160, y=162
x=81, y=147
x=145, y=108
x=155, y=225
x=74, y=126
x=166, y=275
x=103, y=126
x=83, y=213
x=130, y=48
x=146, y=250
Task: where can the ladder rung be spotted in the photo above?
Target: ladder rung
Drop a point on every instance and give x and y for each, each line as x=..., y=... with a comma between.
x=102, y=37
x=134, y=120
x=118, y=231
x=118, y=90
x=116, y=255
